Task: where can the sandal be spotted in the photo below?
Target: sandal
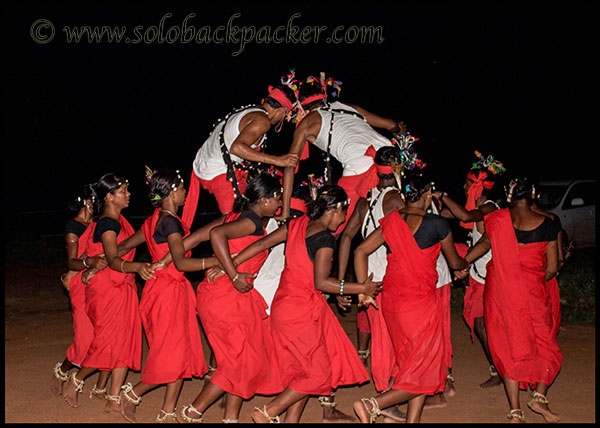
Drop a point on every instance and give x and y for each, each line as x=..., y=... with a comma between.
x=187, y=418
x=516, y=413
x=374, y=411
x=270, y=419
x=161, y=419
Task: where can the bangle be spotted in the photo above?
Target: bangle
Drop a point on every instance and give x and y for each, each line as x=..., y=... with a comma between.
x=122, y=261
x=342, y=287
x=237, y=275
x=202, y=263
x=84, y=263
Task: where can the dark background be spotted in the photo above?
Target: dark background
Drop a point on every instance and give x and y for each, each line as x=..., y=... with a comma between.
x=517, y=82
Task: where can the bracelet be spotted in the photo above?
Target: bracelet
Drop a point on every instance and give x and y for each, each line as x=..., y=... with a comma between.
x=122, y=261
x=84, y=263
x=342, y=287
x=202, y=263
x=237, y=275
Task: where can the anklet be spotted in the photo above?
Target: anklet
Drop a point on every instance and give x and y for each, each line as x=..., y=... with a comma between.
x=516, y=413
x=450, y=378
x=113, y=398
x=78, y=383
x=230, y=421
x=96, y=391
x=160, y=419
x=187, y=418
x=127, y=389
x=270, y=419
x=374, y=412
x=323, y=401
x=59, y=374
x=493, y=371
x=539, y=398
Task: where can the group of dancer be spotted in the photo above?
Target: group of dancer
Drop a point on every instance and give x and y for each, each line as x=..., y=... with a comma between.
x=262, y=304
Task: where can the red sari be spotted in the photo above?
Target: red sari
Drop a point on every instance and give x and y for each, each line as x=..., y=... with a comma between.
x=83, y=329
x=383, y=356
x=315, y=355
x=517, y=311
x=168, y=312
x=111, y=302
x=413, y=310
x=237, y=328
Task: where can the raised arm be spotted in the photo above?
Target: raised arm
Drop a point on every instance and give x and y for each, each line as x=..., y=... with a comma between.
x=459, y=212
x=377, y=121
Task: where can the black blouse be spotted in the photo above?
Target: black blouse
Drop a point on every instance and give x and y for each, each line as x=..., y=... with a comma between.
x=105, y=224
x=166, y=227
x=322, y=239
x=545, y=232
x=73, y=226
x=259, y=231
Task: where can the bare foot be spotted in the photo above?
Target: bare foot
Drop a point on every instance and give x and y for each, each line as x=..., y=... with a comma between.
x=393, y=415
x=362, y=411
x=334, y=416
x=127, y=408
x=112, y=407
x=491, y=382
x=544, y=410
x=449, y=390
x=70, y=394
x=435, y=401
x=56, y=386
x=258, y=417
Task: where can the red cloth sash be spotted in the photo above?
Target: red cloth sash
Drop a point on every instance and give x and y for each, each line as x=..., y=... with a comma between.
x=517, y=310
x=475, y=192
x=412, y=310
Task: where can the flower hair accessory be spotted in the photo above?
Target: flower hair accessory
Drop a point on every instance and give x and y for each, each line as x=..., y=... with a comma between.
x=291, y=82
x=314, y=185
x=489, y=163
x=408, y=157
x=149, y=173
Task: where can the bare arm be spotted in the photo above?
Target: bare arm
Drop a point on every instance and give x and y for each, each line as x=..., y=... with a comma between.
x=132, y=242
x=254, y=129
x=455, y=261
x=479, y=249
x=109, y=244
x=276, y=237
x=459, y=212
x=305, y=132
x=328, y=284
x=377, y=121
x=183, y=263
x=219, y=237
x=551, y=260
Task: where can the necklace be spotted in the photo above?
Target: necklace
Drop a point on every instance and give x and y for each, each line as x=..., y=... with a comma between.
x=169, y=212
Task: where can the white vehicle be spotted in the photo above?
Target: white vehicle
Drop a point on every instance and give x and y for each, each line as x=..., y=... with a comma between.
x=574, y=202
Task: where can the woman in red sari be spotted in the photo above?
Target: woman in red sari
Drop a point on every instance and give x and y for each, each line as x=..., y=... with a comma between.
x=168, y=303
x=111, y=296
x=313, y=352
x=411, y=307
x=233, y=313
x=517, y=308
x=78, y=262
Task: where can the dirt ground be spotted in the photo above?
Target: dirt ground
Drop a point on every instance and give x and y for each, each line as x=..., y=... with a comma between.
x=38, y=330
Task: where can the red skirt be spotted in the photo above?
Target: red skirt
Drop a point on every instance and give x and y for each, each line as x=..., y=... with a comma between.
x=168, y=313
x=238, y=330
x=112, y=306
x=83, y=329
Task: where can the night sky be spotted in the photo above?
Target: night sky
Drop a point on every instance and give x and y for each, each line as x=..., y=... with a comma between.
x=517, y=82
